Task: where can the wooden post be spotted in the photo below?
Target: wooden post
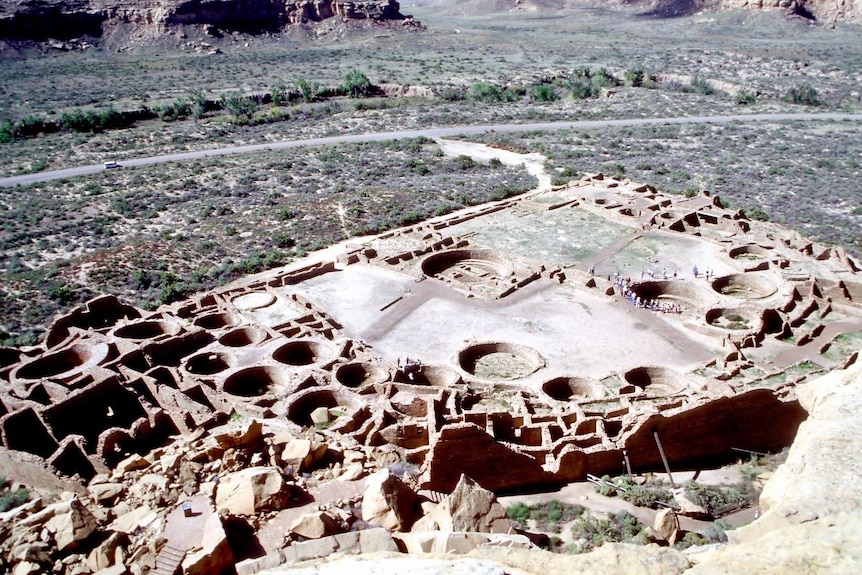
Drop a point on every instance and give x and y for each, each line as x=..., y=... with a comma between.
x=663, y=459
x=627, y=462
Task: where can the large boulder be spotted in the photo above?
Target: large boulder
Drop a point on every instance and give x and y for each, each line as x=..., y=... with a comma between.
x=314, y=525
x=302, y=454
x=70, y=524
x=388, y=502
x=469, y=507
x=251, y=491
x=665, y=526
x=106, y=493
x=214, y=555
x=687, y=507
x=248, y=436
x=109, y=552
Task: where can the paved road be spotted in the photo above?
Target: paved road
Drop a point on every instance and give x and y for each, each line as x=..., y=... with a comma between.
x=427, y=132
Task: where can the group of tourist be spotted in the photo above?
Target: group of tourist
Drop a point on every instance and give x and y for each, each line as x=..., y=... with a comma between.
x=624, y=285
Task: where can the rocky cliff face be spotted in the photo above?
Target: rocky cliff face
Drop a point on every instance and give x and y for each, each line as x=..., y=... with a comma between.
x=66, y=19
x=825, y=11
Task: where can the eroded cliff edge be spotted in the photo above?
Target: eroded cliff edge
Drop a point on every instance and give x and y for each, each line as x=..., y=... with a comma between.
x=40, y=20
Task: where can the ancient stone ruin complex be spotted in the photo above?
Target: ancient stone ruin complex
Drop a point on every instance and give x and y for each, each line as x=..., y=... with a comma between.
x=523, y=344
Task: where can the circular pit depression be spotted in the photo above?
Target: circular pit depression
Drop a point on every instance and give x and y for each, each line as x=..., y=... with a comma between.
x=499, y=360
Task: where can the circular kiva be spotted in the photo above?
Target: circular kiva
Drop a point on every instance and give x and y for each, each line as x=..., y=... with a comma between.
x=499, y=360
x=218, y=320
x=253, y=300
x=242, y=336
x=65, y=363
x=305, y=402
x=469, y=265
x=683, y=291
x=573, y=388
x=733, y=318
x=146, y=329
x=256, y=381
x=360, y=374
x=305, y=352
x=744, y=286
x=656, y=380
x=749, y=252
x=208, y=363
x=431, y=375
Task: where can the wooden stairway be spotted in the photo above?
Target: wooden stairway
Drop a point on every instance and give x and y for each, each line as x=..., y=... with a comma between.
x=168, y=561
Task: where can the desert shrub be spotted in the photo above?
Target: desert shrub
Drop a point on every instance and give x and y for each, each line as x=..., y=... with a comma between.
x=548, y=516
x=590, y=532
x=750, y=469
x=453, y=94
x=280, y=94
x=744, y=98
x=700, y=86
x=356, y=84
x=485, y=92
x=604, y=489
x=197, y=105
x=30, y=126
x=7, y=132
x=242, y=108
x=581, y=89
x=309, y=89
x=714, y=497
x=804, y=94
x=12, y=499
x=92, y=121
x=756, y=213
x=465, y=162
x=717, y=532
x=588, y=83
x=652, y=492
x=690, y=539
x=635, y=77
x=543, y=93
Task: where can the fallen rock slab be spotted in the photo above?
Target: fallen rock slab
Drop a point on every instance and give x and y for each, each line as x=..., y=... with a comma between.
x=70, y=524
x=388, y=502
x=314, y=525
x=468, y=508
x=251, y=491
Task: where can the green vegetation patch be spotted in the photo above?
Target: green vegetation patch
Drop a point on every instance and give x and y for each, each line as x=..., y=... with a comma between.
x=548, y=517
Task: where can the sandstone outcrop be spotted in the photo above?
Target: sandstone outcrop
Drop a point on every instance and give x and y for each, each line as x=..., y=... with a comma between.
x=828, y=11
x=820, y=477
x=71, y=19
